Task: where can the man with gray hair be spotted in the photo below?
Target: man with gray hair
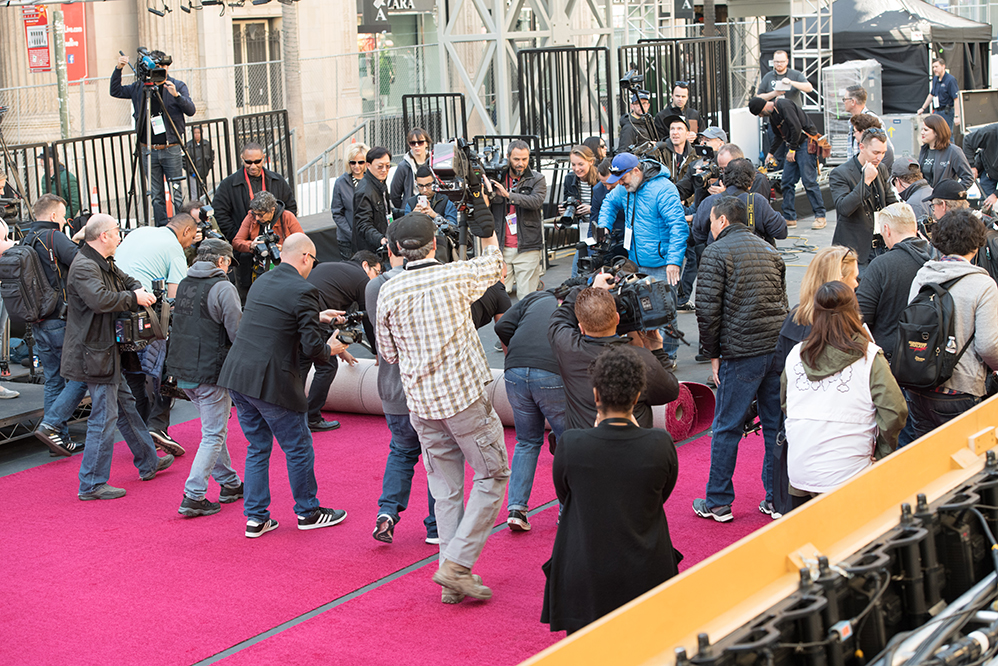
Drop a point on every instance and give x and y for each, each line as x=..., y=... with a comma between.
x=424, y=324
x=206, y=315
x=97, y=290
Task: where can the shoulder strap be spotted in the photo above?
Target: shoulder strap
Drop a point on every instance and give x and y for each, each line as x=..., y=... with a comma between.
x=751, y=211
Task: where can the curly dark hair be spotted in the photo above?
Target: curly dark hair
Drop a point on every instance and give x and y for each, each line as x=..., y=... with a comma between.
x=959, y=232
x=618, y=375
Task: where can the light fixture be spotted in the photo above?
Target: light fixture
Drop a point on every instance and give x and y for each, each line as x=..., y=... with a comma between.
x=260, y=2
x=186, y=10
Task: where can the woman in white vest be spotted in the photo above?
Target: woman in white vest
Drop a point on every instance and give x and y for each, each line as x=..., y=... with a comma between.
x=839, y=397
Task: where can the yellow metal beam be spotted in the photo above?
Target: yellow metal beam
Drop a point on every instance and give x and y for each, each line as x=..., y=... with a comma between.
x=731, y=587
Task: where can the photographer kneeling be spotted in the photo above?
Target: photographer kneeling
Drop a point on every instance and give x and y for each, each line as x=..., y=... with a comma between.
x=438, y=208
x=266, y=216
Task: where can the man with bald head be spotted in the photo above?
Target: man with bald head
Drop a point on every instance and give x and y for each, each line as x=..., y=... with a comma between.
x=281, y=320
x=96, y=292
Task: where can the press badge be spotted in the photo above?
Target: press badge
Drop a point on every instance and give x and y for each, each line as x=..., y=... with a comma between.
x=158, y=126
x=935, y=101
x=628, y=232
x=511, y=223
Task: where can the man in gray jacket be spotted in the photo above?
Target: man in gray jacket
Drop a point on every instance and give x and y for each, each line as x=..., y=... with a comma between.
x=206, y=315
x=958, y=236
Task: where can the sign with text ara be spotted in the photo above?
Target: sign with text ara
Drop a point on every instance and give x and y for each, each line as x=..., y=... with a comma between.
x=684, y=10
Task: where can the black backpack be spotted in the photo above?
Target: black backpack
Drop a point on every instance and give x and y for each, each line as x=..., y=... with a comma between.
x=925, y=353
x=987, y=256
x=27, y=293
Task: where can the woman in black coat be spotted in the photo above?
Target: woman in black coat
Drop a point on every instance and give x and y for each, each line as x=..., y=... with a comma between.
x=613, y=541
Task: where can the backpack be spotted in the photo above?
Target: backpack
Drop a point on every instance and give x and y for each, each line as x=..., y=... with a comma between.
x=26, y=292
x=925, y=353
x=987, y=256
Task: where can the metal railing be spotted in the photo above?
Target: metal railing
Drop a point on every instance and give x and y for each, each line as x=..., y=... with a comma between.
x=315, y=179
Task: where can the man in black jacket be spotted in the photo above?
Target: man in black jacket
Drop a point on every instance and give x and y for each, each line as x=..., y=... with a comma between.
x=981, y=149
x=372, y=211
x=741, y=305
x=581, y=328
x=281, y=320
x=517, y=200
x=739, y=176
x=792, y=127
x=200, y=162
x=860, y=188
x=97, y=291
x=638, y=126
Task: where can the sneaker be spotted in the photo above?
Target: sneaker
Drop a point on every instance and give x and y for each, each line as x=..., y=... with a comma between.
x=229, y=495
x=72, y=445
x=702, y=358
x=102, y=492
x=686, y=307
x=552, y=442
x=791, y=224
x=710, y=381
x=498, y=347
x=255, y=529
x=202, y=507
x=385, y=529
x=449, y=596
x=770, y=510
x=517, y=521
x=166, y=443
x=323, y=426
x=51, y=438
x=819, y=223
x=321, y=517
x=460, y=580
x=163, y=463
x=721, y=514
x=433, y=540
x=7, y=394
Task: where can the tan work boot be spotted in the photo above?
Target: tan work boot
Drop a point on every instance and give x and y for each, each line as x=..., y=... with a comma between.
x=819, y=223
x=460, y=580
x=791, y=224
x=449, y=596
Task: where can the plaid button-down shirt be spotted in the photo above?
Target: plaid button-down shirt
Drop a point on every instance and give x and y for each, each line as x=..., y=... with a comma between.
x=424, y=325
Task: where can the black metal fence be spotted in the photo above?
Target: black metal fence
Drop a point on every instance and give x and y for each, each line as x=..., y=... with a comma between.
x=270, y=130
x=701, y=62
x=565, y=96
x=487, y=143
x=443, y=115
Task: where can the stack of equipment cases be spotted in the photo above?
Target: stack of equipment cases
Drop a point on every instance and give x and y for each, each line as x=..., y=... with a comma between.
x=902, y=130
x=835, y=80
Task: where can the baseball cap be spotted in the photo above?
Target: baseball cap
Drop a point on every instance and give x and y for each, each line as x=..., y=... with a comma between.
x=715, y=133
x=640, y=94
x=412, y=231
x=621, y=164
x=949, y=190
x=675, y=119
x=220, y=247
x=900, y=167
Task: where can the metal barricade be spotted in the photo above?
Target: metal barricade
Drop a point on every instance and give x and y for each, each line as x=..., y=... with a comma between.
x=443, y=115
x=565, y=96
x=270, y=130
x=101, y=169
x=31, y=172
x=216, y=133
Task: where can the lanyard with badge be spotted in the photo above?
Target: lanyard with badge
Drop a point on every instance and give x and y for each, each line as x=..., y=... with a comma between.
x=511, y=218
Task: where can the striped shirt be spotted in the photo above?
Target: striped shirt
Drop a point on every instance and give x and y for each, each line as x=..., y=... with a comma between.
x=424, y=324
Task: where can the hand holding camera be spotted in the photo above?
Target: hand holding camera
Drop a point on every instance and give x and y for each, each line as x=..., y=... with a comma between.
x=143, y=297
x=336, y=347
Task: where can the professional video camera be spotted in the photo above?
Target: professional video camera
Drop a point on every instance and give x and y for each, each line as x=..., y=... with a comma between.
x=567, y=218
x=151, y=66
x=630, y=83
x=705, y=169
x=494, y=162
x=606, y=252
x=136, y=330
x=458, y=170
x=352, y=330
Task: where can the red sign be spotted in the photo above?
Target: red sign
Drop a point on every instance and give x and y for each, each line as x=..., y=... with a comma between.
x=76, y=41
x=37, y=37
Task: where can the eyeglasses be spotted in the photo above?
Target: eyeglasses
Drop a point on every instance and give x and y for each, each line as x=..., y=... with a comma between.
x=419, y=142
x=381, y=167
x=938, y=202
x=427, y=186
x=875, y=131
x=252, y=161
x=352, y=163
x=257, y=215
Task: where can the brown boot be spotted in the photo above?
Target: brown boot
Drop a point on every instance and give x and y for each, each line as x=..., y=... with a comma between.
x=819, y=223
x=791, y=224
x=460, y=580
x=449, y=596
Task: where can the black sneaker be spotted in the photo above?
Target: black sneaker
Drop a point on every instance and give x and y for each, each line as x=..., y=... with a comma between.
x=72, y=445
x=166, y=443
x=202, y=507
x=321, y=517
x=51, y=438
x=517, y=521
x=770, y=510
x=384, y=530
x=552, y=442
x=255, y=529
x=323, y=426
x=721, y=514
x=686, y=307
x=102, y=492
x=163, y=463
x=702, y=358
x=229, y=495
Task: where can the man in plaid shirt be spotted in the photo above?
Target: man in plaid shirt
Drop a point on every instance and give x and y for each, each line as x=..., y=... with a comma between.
x=424, y=325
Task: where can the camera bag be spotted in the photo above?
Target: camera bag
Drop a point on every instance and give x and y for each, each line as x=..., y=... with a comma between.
x=27, y=293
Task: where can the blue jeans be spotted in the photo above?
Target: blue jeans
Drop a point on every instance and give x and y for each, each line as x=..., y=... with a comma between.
x=947, y=115
x=690, y=264
x=804, y=167
x=167, y=162
x=261, y=422
x=215, y=406
x=49, y=335
x=403, y=454
x=534, y=395
x=669, y=344
x=113, y=404
x=927, y=410
x=741, y=381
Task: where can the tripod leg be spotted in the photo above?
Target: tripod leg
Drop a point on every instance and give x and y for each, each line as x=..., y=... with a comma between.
x=5, y=352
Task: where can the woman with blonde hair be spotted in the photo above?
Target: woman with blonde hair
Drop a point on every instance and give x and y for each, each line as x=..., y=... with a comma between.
x=579, y=184
x=343, y=188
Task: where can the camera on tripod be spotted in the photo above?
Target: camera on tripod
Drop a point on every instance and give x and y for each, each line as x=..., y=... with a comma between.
x=632, y=82
x=570, y=215
x=151, y=67
x=136, y=330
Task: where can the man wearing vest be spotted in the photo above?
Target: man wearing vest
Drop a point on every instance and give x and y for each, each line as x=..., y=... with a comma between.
x=206, y=315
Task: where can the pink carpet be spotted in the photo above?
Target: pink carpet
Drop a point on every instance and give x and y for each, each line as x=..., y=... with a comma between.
x=130, y=581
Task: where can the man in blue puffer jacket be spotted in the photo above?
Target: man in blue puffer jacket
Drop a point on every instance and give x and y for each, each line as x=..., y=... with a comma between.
x=655, y=227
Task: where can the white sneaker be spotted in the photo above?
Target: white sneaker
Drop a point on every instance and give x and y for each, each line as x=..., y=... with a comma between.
x=7, y=394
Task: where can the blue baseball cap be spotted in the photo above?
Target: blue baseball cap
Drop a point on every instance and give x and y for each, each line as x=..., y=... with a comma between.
x=621, y=164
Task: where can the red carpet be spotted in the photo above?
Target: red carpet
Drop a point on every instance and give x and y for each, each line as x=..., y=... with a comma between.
x=130, y=581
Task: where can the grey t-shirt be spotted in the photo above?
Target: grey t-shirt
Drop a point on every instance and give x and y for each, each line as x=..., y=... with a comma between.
x=769, y=80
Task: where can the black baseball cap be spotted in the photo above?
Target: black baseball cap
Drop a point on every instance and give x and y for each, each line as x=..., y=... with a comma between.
x=412, y=231
x=949, y=190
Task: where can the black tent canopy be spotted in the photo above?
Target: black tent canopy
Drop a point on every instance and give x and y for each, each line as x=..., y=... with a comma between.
x=900, y=34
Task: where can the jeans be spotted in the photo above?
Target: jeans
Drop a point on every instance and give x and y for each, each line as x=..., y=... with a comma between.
x=215, y=406
x=473, y=436
x=49, y=335
x=261, y=422
x=927, y=410
x=113, y=404
x=804, y=167
x=947, y=115
x=534, y=395
x=669, y=344
x=403, y=454
x=325, y=373
x=166, y=162
x=741, y=381
x=152, y=406
x=690, y=265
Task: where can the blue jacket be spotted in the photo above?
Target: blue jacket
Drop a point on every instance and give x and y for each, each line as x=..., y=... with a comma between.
x=655, y=216
x=175, y=106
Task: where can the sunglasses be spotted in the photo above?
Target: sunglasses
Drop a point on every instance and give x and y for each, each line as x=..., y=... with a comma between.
x=252, y=161
x=875, y=131
x=312, y=257
x=681, y=84
x=417, y=143
x=358, y=162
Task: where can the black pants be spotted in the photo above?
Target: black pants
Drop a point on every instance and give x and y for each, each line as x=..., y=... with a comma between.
x=323, y=379
x=151, y=406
